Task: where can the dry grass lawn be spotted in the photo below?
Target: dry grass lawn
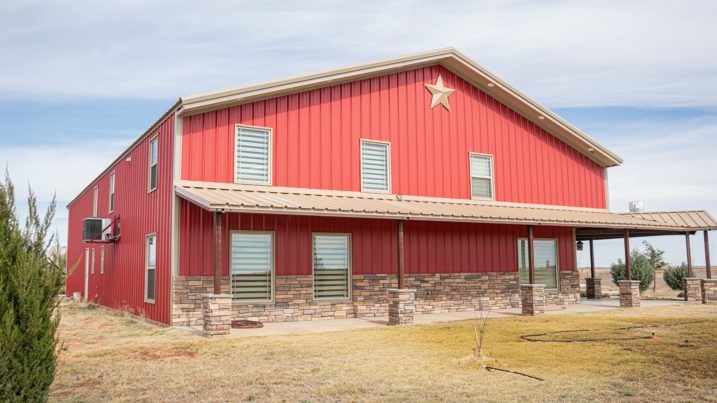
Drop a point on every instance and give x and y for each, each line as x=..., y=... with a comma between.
x=110, y=357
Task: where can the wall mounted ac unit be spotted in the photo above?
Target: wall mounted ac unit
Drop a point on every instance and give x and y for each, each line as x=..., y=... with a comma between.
x=92, y=229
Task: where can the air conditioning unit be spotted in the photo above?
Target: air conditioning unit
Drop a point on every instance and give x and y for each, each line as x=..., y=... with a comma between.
x=92, y=229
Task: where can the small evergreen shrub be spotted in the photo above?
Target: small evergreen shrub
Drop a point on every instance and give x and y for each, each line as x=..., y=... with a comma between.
x=641, y=268
x=30, y=280
x=674, y=275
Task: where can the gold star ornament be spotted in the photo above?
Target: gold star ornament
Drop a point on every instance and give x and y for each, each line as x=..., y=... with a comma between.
x=440, y=93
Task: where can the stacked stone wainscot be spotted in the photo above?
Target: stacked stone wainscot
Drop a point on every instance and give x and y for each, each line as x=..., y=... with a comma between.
x=293, y=298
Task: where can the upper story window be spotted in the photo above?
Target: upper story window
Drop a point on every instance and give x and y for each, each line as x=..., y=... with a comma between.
x=95, y=194
x=375, y=166
x=482, y=176
x=253, y=155
x=153, y=158
x=111, y=201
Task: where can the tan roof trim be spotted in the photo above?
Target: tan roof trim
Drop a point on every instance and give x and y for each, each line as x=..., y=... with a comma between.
x=277, y=200
x=449, y=58
x=174, y=108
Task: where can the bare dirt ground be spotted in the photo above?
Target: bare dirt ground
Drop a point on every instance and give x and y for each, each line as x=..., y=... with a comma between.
x=107, y=356
x=661, y=291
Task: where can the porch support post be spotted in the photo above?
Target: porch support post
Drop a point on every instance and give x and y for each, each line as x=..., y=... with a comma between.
x=592, y=259
x=691, y=286
x=532, y=296
x=531, y=261
x=707, y=254
x=628, y=267
x=217, y=253
x=400, y=262
x=689, y=255
x=593, y=286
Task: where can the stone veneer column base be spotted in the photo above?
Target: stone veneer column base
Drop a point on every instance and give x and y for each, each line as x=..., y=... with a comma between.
x=532, y=298
x=217, y=314
x=593, y=288
x=629, y=293
x=692, y=287
x=709, y=291
x=401, y=306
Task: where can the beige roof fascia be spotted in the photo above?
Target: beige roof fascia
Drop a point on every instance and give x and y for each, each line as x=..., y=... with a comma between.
x=277, y=200
x=449, y=58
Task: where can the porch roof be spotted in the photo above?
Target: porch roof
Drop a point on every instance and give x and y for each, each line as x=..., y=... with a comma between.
x=279, y=200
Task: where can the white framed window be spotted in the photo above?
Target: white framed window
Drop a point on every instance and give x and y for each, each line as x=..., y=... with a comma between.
x=252, y=266
x=95, y=195
x=482, y=186
x=253, y=155
x=153, y=159
x=102, y=259
x=375, y=166
x=150, y=272
x=546, y=262
x=111, y=201
x=92, y=264
x=331, y=266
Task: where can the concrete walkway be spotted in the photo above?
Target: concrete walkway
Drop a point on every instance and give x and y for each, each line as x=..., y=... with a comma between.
x=333, y=325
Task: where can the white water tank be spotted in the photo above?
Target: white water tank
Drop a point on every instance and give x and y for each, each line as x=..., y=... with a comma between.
x=637, y=206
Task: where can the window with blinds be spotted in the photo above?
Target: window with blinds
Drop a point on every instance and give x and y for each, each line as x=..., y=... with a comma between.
x=111, y=202
x=481, y=176
x=150, y=273
x=546, y=262
x=253, y=155
x=153, y=159
x=375, y=167
x=252, y=263
x=331, y=266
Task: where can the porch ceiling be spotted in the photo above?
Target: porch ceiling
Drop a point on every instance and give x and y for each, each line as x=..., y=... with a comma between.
x=276, y=200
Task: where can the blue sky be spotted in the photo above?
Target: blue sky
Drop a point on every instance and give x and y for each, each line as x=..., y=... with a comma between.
x=79, y=81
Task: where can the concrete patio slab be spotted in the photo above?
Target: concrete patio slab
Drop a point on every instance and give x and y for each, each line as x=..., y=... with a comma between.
x=333, y=325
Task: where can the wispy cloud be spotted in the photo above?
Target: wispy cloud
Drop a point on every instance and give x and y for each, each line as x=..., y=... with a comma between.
x=564, y=53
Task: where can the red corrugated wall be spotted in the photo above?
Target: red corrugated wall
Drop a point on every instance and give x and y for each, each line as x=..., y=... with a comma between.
x=141, y=213
x=316, y=142
x=430, y=247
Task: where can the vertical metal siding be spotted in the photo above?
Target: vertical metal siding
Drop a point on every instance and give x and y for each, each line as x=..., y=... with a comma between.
x=141, y=213
x=317, y=133
x=430, y=247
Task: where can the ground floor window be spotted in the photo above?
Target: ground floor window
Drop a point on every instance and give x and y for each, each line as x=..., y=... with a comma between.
x=332, y=265
x=252, y=265
x=546, y=262
x=150, y=274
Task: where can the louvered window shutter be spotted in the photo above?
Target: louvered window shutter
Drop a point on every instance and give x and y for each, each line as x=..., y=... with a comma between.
x=253, y=154
x=251, y=264
x=374, y=167
x=331, y=266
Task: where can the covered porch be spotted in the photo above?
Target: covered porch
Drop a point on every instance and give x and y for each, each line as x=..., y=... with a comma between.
x=395, y=287
x=308, y=327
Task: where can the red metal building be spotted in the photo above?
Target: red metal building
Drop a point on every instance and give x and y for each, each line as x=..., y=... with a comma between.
x=320, y=193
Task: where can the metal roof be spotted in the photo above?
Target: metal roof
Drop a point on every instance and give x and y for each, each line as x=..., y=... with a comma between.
x=279, y=200
x=695, y=220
